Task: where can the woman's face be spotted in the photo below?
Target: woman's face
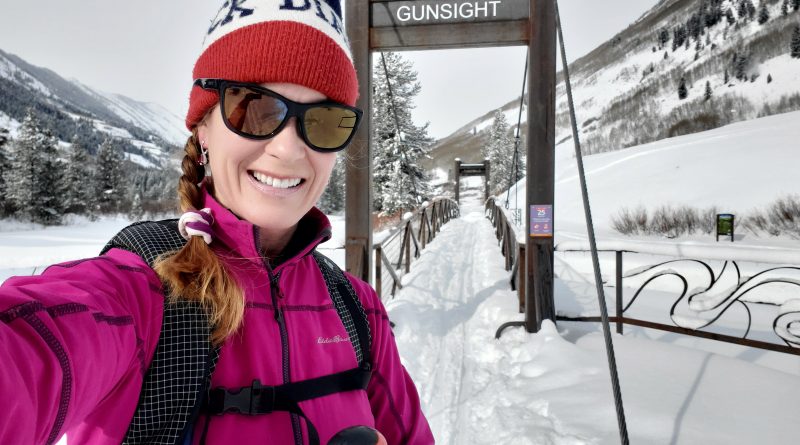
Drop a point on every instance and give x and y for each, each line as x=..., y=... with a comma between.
x=243, y=169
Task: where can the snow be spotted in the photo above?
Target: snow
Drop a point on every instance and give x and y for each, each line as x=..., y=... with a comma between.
x=148, y=116
x=553, y=387
x=111, y=130
x=140, y=160
x=737, y=168
x=27, y=248
x=596, y=90
x=12, y=125
x=10, y=71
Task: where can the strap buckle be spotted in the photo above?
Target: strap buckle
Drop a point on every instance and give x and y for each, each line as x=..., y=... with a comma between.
x=253, y=400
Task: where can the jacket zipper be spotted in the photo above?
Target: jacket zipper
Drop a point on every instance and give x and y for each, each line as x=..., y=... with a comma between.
x=275, y=294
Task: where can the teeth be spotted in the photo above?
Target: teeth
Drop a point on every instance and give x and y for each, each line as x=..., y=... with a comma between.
x=275, y=182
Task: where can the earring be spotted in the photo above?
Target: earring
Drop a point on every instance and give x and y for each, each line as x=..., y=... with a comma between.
x=203, y=154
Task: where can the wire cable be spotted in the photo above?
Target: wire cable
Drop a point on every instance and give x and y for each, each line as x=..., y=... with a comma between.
x=612, y=363
x=516, y=142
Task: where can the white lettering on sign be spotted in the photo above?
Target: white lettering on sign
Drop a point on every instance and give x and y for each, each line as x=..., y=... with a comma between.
x=448, y=11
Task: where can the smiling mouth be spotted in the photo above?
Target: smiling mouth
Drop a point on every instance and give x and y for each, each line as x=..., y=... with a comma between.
x=277, y=183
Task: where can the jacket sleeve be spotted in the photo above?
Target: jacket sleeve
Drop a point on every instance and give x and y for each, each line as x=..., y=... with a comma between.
x=392, y=395
x=76, y=336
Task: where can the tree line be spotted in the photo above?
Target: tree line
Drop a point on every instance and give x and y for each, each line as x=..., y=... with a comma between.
x=39, y=182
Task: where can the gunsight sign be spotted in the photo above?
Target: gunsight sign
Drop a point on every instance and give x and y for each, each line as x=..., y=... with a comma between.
x=447, y=11
x=429, y=12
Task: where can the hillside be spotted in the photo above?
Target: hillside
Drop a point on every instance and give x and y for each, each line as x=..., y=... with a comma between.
x=148, y=133
x=741, y=168
x=626, y=90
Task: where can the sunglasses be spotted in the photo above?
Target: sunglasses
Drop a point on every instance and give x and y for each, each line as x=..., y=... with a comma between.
x=255, y=112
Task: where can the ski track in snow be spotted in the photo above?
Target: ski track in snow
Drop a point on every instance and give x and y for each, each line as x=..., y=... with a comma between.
x=437, y=315
x=553, y=387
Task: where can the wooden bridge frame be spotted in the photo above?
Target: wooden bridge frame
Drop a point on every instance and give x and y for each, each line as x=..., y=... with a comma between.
x=463, y=170
x=374, y=25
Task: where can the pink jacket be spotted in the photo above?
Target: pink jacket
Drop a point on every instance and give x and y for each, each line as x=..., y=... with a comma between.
x=77, y=340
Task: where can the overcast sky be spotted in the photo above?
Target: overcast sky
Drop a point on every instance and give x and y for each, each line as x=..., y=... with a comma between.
x=145, y=49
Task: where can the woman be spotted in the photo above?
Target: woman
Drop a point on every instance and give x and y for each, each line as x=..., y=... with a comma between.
x=259, y=339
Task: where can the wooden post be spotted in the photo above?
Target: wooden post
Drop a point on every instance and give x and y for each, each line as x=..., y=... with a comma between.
x=358, y=201
x=539, y=304
x=521, y=275
x=407, y=236
x=619, y=291
x=486, y=192
x=378, y=272
x=457, y=173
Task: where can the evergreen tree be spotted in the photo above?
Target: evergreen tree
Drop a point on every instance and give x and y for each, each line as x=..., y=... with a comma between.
x=5, y=167
x=795, y=44
x=708, y=94
x=499, y=150
x=751, y=9
x=400, y=182
x=727, y=77
x=679, y=35
x=729, y=15
x=763, y=14
x=683, y=93
x=47, y=202
x=109, y=177
x=333, y=198
x=769, y=78
x=33, y=181
x=795, y=4
x=741, y=10
x=785, y=8
x=663, y=37
x=79, y=195
x=741, y=64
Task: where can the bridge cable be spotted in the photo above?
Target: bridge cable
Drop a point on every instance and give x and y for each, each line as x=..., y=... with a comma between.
x=612, y=364
x=515, y=168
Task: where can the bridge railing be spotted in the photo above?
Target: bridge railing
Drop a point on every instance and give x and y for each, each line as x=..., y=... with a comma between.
x=405, y=242
x=512, y=248
x=704, y=294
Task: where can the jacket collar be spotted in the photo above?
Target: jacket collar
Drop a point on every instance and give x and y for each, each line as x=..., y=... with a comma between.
x=241, y=236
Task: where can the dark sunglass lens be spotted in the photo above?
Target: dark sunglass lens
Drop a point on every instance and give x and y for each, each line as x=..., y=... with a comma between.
x=253, y=112
x=329, y=127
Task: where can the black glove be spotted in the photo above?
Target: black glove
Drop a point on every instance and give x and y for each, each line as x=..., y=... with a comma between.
x=355, y=435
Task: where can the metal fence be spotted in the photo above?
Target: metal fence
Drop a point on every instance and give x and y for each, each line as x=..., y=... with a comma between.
x=705, y=298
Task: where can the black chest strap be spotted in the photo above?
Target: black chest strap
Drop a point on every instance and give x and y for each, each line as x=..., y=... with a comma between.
x=259, y=399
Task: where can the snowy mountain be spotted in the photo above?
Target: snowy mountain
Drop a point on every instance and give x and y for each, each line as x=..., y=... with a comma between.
x=152, y=134
x=626, y=90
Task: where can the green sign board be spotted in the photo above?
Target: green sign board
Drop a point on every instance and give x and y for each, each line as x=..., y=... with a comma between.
x=725, y=225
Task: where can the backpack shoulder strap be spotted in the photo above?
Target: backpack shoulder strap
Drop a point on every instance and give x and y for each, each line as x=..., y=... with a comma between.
x=148, y=239
x=349, y=307
x=184, y=359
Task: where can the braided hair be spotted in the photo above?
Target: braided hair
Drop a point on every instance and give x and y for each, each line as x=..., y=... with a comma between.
x=195, y=272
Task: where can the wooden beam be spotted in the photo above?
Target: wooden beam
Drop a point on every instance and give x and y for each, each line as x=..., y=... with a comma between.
x=358, y=201
x=539, y=304
x=406, y=13
x=450, y=36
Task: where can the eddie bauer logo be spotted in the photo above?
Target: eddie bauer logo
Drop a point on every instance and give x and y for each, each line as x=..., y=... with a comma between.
x=335, y=339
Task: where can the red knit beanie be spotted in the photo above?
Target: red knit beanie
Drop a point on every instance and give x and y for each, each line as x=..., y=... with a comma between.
x=259, y=41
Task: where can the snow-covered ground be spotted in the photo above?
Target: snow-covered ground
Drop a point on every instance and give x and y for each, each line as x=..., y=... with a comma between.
x=553, y=387
x=27, y=248
x=737, y=169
